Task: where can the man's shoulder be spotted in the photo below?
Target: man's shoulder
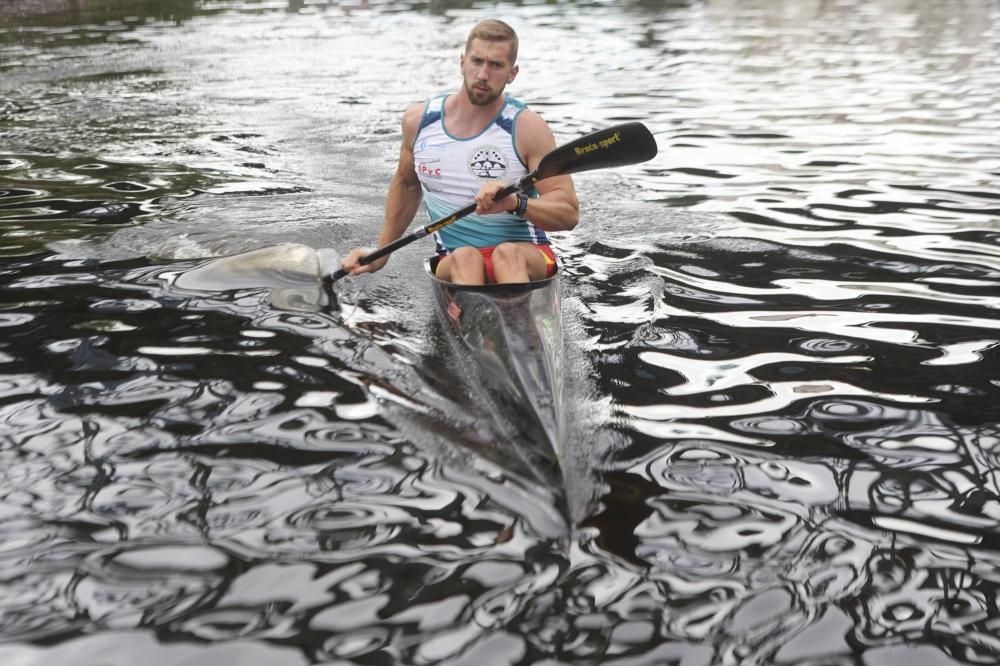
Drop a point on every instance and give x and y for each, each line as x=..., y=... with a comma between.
x=417, y=110
x=533, y=137
x=412, y=115
x=414, y=111
x=528, y=121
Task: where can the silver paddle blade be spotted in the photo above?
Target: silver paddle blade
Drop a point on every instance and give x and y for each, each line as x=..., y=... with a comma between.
x=289, y=265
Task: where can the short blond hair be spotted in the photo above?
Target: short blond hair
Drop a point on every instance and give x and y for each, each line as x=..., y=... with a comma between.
x=494, y=30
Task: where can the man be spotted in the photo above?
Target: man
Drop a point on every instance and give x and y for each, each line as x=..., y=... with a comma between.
x=470, y=144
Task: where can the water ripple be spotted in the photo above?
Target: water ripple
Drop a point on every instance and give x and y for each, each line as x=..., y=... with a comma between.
x=783, y=339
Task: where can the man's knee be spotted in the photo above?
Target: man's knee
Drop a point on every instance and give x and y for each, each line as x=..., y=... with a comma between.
x=467, y=266
x=465, y=256
x=507, y=255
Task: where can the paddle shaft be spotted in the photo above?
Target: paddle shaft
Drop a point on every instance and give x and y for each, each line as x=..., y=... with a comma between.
x=520, y=185
x=619, y=145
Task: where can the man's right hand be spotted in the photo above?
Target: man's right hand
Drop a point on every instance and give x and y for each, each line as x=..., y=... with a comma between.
x=353, y=266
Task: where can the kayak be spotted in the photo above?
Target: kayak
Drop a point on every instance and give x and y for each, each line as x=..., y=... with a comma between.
x=512, y=334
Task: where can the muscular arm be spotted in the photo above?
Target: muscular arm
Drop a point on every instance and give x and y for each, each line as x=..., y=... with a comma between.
x=556, y=208
x=401, y=201
x=404, y=194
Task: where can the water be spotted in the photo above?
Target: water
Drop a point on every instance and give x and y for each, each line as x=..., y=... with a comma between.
x=782, y=333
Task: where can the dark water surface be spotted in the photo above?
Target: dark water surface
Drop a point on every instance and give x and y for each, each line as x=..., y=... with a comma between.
x=782, y=336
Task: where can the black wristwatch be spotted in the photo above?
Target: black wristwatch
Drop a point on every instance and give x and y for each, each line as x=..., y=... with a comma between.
x=522, y=206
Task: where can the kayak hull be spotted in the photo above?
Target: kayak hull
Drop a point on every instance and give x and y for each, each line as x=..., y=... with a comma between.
x=509, y=339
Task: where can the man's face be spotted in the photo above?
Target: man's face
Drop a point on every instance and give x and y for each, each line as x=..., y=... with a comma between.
x=486, y=70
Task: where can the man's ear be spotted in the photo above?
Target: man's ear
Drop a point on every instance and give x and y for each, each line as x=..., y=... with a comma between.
x=513, y=74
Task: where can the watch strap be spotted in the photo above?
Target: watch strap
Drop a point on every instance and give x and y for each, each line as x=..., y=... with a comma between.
x=522, y=205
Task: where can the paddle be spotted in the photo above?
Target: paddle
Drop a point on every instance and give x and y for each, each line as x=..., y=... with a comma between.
x=628, y=143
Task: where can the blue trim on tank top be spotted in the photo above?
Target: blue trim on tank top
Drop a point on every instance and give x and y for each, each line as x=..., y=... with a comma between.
x=426, y=119
x=509, y=126
x=513, y=138
x=497, y=120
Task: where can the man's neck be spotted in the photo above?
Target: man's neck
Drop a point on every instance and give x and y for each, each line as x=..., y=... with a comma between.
x=465, y=119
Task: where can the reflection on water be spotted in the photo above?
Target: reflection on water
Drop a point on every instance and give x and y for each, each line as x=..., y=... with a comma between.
x=782, y=341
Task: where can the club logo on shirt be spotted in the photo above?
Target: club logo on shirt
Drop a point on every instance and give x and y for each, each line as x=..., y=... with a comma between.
x=428, y=169
x=487, y=162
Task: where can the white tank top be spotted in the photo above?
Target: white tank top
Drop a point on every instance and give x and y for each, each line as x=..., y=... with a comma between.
x=451, y=171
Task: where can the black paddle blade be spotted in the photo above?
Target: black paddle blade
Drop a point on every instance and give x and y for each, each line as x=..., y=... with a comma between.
x=628, y=143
